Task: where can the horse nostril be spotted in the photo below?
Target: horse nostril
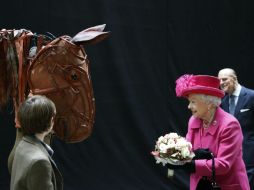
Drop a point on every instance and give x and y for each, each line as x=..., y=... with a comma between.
x=74, y=76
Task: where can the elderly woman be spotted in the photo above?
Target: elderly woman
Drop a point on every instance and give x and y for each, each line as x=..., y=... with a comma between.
x=211, y=129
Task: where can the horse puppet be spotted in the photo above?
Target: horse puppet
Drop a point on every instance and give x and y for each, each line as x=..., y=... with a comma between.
x=58, y=68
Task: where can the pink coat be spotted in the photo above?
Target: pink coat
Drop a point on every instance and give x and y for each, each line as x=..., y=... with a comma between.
x=224, y=139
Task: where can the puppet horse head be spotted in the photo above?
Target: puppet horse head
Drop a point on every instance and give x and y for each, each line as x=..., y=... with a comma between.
x=60, y=71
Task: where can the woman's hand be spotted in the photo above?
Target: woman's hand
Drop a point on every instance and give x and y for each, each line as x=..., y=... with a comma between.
x=188, y=166
x=202, y=153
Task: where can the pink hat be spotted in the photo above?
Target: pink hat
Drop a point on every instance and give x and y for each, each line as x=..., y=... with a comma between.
x=198, y=84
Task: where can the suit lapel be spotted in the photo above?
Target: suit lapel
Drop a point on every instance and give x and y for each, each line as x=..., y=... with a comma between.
x=225, y=103
x=241, y=101
x=58, y=179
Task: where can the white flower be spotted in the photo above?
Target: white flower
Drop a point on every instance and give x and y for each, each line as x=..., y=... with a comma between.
x=160, y=139
x=181, y=143
x=163, y=148
x=172, y=135
x=174, y=149
x=185, y=152
x=171, y=143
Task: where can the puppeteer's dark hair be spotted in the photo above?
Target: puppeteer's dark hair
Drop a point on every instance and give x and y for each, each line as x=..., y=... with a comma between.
x=35, y=114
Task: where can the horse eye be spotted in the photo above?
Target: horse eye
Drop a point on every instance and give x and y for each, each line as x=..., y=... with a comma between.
x=74, y=76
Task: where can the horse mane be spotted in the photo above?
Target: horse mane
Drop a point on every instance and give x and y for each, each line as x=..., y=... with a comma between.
x=17, y=49
x=8, y=67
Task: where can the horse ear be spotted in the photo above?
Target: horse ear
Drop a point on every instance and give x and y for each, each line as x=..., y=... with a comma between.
x=90, y=35
x=98, y=28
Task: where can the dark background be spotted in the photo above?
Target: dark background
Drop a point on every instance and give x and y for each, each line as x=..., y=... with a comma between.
x=151, y=44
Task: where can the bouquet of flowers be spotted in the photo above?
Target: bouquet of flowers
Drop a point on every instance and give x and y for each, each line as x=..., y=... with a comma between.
x=173, y=149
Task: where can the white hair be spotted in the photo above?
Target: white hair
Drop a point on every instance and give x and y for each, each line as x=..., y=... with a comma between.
x=208, y=99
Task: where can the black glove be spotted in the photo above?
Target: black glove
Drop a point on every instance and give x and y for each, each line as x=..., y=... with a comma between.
x=202, y=153
x=189, y=166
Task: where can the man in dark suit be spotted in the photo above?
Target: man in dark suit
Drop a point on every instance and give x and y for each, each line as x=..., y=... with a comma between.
x=239, y=101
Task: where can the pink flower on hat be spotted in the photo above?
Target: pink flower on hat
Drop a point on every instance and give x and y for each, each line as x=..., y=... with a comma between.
x=183, y=83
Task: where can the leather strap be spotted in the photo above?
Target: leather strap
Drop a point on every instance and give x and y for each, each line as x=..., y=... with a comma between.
x=213, y=171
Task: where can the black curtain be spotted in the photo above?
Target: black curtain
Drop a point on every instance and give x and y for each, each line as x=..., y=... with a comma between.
x=151, y=44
